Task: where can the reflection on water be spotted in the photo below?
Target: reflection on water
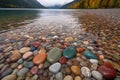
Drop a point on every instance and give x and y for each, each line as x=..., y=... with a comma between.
x=45, y=21
x=12, y=18
x=59, y=20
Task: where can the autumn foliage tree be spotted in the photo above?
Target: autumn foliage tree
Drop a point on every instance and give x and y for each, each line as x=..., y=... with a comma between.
x=92, y=4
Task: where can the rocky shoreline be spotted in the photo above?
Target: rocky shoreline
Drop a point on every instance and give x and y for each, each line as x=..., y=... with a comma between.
x=54, y=53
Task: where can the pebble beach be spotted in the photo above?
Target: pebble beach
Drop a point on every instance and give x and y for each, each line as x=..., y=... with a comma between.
x=63, y=47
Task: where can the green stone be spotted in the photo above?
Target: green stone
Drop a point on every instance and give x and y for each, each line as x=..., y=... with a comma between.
x=69, y=52
x=117, y=79
x=54, y=55
x=88, y=54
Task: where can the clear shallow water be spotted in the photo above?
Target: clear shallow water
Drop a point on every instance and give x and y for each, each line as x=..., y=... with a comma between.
x=52, y=19
x=10, y=18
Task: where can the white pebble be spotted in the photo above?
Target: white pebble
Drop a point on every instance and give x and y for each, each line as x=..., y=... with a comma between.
x=97, y=75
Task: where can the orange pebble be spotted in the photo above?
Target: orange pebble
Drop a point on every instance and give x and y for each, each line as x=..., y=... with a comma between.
x=79, y=50
x=39, y=58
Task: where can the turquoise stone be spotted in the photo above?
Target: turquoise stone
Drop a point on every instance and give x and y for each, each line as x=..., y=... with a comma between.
x=54, y=55
x=69, y=52
x=88, y=54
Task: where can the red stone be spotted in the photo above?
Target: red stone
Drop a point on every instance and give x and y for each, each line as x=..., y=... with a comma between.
x=107, y=72
x=63, y=60
x=34, y=70
x=79, y=50
x=109, y=65
x=36, y=44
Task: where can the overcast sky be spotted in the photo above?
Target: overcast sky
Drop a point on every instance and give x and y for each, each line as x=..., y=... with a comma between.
x=49, y=3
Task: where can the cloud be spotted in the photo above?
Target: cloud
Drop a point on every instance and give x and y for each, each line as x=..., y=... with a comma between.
x=49, y=3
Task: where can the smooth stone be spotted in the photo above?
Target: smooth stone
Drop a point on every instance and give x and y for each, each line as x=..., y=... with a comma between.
x=28, y=64
x=35, y=52
x=23, y=71
x=35, y=77
x=20, y=78
x=90, y=48
x=94, y=66
x=6, y=72
x=14, y=71
x=14, y=65
x=69, y=39
x=26, y=43
x=67, y=70
x=46, y=64
x=75, y=70
x=80, y=50
x=34, y=70
x=68, y=77
x=20, y=61
x=59, y=76
x=107, y=72
x=27, y=55
x=54, y=68
x=9, y=77
x=89, y=54
x=85, y=42
x=1, y=66
x=97, y=75
x=4, y=68
x=15, y=55
x=42, y=50
x=24, y=50
x=41, y=66
x=86, y=71
x=69, y=63
x=36, y=44
x=69, y=52
x=55, y=37
x=63, y=60
x=33, y=49
x=54, y=55
x=117, y=78
x=78, y=78
x=93, y=61
x=1, y=50
x=8, y=49
x=20, y=66
x=39, y=58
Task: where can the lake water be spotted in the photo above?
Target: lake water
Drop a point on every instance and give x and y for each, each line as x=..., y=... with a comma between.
x=11, y=18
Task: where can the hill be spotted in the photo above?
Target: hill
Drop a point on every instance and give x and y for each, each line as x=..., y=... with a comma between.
x=20, y=4
x=92, y=4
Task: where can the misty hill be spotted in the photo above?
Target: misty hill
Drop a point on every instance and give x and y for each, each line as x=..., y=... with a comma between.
x=92, y=4
x=20, y=4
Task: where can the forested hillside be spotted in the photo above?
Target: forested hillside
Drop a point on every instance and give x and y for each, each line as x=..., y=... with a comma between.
x=89, y=4
x=20, y=4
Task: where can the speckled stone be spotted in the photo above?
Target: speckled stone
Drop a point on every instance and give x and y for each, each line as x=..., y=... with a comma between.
x=28, y=64
x=20, y=61
x=97, y=75
x=23, y=71
x=54, y=55
x=54, y=68
x=24, y=50
x=59, y=76
x=9, y=77
x=6, y=72
x=86, y=71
